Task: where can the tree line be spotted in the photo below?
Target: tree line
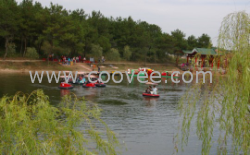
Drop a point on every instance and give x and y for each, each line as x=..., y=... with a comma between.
x=30, y=29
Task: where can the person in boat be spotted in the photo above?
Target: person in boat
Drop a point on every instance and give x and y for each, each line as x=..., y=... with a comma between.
x=83, y=79
x=87, y=82
x=155, y=90
x=98, y=81
x=148, y=90
x=78, y=79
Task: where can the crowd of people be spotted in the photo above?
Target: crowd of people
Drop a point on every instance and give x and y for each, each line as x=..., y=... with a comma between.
x=67, y=60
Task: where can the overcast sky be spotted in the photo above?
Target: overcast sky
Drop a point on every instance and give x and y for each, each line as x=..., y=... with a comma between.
x=191, y=16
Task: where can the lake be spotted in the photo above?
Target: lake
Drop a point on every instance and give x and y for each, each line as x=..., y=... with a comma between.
x=144, y=126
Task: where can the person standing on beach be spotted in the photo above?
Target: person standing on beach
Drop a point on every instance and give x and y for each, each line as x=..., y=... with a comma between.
x=103, y=59
x=98, y=68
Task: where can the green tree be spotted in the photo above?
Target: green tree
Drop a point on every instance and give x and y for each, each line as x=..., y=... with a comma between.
x=72, y=32
x=235, y=31
x=28, y=23
x=180, y=41
x=96, y=51
x=55, y=19
x=98, y=31
x=192, y=42
x=204, y=41
x=225, y=103
x=9, y=21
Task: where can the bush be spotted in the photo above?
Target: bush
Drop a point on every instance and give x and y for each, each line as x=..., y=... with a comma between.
x=127, y=53
x=113, y=55
x=31, y=53
x=96, y=51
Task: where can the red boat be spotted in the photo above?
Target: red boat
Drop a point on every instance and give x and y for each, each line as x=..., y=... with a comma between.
x=89, y=85
x=150, y=95
x=64, y=85
x=164, y=74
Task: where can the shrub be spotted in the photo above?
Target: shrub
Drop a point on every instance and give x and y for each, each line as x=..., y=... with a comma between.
x=113, y=55
x=127, y=53
x=31, y=53
x=96, y=51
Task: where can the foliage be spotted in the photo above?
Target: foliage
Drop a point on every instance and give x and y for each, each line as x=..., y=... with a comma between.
x=9, y=17
x=204, y=41
x=180, y=40
x=226, y=102
x=53, y=29
x=235, y=31
x=30, y=125
x=113, y=55
x=140, y=54
x=31, y=53
x=127, y=53
x=11, y=50
x=47, y=48
x=192, y=42
x=96, y=51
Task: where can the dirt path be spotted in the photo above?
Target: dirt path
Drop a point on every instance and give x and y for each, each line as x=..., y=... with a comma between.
x=20, y=60
x=84, y=66
x=134, y=63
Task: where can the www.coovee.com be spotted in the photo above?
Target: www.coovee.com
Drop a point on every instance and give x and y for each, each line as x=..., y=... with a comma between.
x=154, y=75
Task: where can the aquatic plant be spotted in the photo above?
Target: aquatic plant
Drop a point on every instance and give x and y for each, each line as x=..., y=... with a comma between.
x=30, y=125
x=225, y=103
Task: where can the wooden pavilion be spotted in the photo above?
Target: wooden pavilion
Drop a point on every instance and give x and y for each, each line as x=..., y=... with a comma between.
x=199, y=55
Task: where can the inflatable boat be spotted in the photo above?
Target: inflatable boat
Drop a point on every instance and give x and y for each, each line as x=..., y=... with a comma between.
x=100, y=84
x=88, y=85
x=164, y=74
x=79, y=82
x=64, y=85
x=150, y=95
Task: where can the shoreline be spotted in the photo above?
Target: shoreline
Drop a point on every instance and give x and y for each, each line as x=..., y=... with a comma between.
x=24, y=66
x=25, y=71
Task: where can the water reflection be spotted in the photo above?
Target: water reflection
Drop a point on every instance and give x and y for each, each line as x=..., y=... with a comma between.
x=64, y=92
x=150, y=102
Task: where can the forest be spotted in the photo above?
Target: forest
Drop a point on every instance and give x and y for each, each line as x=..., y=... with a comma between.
x=28, y=29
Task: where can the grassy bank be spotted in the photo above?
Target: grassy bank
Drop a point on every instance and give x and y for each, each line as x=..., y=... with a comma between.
x=25, y=66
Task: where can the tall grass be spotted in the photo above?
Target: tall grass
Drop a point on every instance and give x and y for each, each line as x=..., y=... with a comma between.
x=30, y=125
